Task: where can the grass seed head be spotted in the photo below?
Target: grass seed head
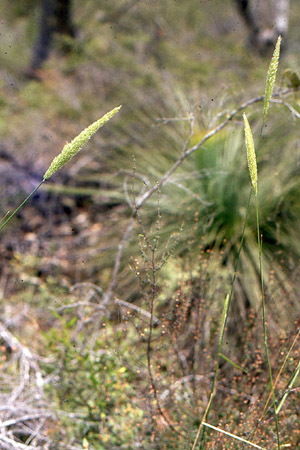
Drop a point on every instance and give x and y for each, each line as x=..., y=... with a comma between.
x=251, y=157
x=271, y=76
x=72, y=148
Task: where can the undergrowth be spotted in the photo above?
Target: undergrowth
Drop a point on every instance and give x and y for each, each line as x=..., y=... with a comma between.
x=181, y=335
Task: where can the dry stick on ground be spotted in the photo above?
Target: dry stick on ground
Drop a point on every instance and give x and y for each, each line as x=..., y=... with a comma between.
x=18, y=410
x=28, y=359
x=137, y=309
x=99, y=293
x=9, y=444
x=23, y=418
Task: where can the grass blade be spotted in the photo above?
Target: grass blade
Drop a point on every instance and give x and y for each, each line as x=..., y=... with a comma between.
x=233, y=364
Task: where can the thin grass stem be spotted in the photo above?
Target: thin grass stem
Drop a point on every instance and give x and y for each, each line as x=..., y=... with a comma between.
x=277, y=378
x=20, y=206
x=259, y=243
x=290, y=386
x=234, y=436
x=232, y=363
x=222, y=331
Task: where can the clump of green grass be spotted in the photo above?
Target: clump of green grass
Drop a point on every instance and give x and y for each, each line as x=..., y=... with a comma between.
x=206, y=197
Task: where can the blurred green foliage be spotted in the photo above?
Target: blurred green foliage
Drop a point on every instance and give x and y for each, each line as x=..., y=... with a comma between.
x=93, y=390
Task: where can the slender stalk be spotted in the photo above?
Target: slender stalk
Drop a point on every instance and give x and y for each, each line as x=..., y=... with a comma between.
x=290, y=386
x=232, y=363
x=222, y=331
x=279, y=373
x=259, y=243
x=20, y=206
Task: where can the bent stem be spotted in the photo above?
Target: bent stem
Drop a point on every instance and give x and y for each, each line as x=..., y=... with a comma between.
x=20, y=206
x=259, y=243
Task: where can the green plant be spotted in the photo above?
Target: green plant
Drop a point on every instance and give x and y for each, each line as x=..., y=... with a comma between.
x=93, y=388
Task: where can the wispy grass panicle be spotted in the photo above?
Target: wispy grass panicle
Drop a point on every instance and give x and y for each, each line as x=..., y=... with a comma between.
x=271, y=76
x=72, y=148
x=251, y=157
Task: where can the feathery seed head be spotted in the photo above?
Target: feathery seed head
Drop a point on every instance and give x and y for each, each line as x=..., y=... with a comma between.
x=271, y=76
x=250, y=154
x=72, y=148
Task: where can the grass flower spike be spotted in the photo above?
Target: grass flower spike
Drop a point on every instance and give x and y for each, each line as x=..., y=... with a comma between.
x=250, y=154
x=72, y=148
x=271, y=76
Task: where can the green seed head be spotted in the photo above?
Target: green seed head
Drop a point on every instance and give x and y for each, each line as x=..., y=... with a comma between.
x=72, y=148
x=250, y=154
x=271, y=76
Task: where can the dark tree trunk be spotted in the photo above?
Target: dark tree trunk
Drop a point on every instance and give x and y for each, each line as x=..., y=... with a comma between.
x=266, y=20
x=55, y=17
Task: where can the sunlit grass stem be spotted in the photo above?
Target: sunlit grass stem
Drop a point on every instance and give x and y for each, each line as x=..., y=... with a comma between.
x=20, y=206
